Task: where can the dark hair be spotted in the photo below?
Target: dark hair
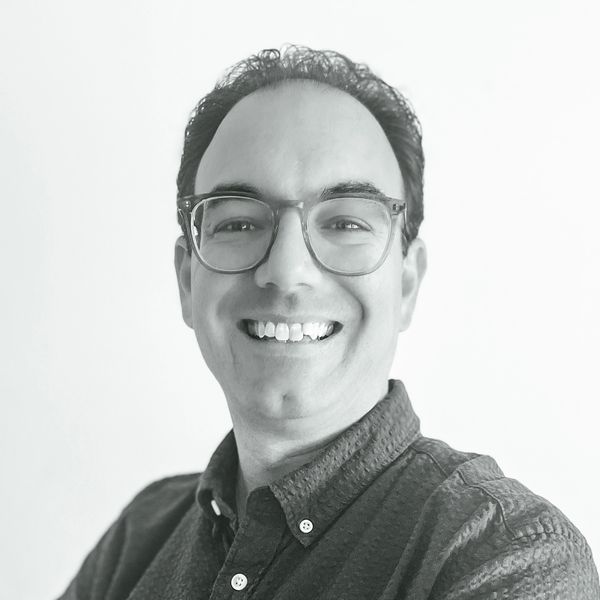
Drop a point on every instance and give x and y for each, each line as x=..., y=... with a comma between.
x=271, y=67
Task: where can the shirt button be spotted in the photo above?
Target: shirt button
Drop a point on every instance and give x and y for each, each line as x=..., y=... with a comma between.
x=215, y=507
x=306, y=526
x=239, y=581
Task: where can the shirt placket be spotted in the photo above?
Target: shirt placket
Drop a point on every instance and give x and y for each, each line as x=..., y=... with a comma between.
x=253, y=549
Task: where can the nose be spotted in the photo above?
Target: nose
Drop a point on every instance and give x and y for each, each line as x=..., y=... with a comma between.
x=289, y=263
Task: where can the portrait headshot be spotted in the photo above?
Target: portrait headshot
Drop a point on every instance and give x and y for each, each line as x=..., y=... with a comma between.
x=306, y=304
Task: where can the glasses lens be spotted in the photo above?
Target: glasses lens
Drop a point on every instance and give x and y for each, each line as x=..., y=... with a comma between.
x=232, y=233
x=349, y=235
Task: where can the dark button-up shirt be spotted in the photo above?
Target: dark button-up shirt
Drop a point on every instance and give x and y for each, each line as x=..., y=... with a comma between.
x=381, y=513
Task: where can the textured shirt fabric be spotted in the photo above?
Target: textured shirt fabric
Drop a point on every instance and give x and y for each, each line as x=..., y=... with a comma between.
x=382, y=513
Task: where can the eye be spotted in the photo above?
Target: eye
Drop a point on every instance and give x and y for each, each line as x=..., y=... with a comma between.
x=235, y=226
x=347, y=225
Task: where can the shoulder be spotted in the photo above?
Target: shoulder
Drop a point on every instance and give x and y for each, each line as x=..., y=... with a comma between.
x=474, y=480
x=165, y=489
x=130, y=543
x=151, y=515
x=492, y=532
x=156, y=501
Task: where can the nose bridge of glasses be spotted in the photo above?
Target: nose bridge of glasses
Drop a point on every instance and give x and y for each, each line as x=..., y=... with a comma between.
x=289, y=216
x=288, y=262
x=289, y=206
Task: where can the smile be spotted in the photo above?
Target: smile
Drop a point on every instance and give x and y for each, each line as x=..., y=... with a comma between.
x=270, y=331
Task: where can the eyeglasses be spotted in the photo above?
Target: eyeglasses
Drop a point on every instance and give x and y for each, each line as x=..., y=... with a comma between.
x=234, y=232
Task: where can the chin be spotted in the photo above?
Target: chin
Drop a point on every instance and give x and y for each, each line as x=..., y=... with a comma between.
x=285, y=396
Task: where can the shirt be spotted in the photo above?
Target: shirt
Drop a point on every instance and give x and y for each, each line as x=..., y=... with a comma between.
x=381, y=513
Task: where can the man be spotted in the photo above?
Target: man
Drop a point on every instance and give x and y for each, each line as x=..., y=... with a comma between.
x=300, y=199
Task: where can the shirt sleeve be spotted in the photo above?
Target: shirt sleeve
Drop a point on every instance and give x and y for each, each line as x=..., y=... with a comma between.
x=94, y=575
x=544, y=566
x=113, y=567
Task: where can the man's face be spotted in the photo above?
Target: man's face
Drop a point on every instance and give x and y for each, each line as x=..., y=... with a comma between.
x=290, y=143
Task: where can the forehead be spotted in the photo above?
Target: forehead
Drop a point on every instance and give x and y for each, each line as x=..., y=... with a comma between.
x=296, y=139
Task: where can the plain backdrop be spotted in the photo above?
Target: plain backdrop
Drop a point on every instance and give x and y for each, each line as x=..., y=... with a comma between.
x=102, y=387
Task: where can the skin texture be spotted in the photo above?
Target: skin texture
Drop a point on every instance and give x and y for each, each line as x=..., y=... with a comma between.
x=288, y=400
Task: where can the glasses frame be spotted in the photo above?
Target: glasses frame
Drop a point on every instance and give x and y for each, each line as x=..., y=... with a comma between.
x=188, y=205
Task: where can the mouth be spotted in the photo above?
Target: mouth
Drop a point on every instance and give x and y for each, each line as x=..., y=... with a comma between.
x=290, y=332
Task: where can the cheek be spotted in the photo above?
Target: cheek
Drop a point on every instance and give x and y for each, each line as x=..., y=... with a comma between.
x=380, y=297
x=376, y=298
x=209, y=296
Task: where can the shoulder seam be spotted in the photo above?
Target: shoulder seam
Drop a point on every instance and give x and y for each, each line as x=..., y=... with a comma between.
x=509, y=529
x=433, y=459
x=477, y=487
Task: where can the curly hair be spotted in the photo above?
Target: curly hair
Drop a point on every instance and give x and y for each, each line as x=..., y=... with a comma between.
x=271, y=67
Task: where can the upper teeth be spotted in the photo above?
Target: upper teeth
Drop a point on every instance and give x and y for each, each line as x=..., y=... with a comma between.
x=293, y=332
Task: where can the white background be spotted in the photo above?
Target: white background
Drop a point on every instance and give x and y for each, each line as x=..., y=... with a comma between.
x=102, y=387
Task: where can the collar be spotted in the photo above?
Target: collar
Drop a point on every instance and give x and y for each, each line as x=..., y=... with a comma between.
x=320, y=490
x=215, y=492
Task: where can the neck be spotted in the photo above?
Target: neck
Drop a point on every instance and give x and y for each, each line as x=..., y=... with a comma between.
x=269, y=448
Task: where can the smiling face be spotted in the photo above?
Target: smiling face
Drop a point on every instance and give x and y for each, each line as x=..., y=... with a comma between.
x=290, y=143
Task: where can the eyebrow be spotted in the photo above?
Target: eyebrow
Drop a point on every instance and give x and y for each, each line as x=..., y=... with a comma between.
x=352, y=187
x=339, y=189
x=235, y=187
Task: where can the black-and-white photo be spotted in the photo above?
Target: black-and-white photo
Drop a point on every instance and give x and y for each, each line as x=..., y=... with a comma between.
x=301, y=302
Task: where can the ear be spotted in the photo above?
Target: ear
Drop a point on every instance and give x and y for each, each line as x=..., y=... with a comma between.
x=414, y=266
x=183, y=270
